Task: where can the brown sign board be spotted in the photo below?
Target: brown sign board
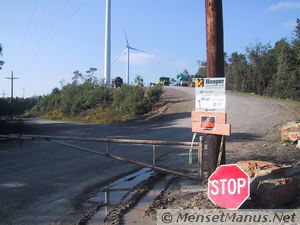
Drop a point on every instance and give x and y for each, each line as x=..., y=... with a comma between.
x=210, y=123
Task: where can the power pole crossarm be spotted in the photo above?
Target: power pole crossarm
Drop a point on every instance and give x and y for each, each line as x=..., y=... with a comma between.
x=12, y=78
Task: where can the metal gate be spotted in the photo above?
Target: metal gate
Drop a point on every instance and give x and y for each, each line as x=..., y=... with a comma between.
x=60, y=140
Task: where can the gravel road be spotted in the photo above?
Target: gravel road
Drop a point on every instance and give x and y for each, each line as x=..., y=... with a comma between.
x=43, y=183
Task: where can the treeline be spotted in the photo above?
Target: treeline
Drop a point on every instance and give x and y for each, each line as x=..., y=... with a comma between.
x=86, y=99
x=266, y=70
x=20, y=105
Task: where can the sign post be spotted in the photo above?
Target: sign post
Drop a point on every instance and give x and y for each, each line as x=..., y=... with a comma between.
x=228, y=186
x=214, y=68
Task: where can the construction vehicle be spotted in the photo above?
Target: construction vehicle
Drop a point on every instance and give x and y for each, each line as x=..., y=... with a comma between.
x=182, y=80
x=164, y=81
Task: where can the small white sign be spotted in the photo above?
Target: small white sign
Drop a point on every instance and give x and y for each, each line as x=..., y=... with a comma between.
x=210, y=95
x=210, y=86
x=210, y=103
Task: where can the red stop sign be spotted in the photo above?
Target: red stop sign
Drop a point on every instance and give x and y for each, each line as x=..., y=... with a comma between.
x=228, y=186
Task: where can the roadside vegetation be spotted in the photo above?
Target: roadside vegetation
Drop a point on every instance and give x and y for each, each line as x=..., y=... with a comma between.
x=265, y=70
x=20, y=105
x=86, y=99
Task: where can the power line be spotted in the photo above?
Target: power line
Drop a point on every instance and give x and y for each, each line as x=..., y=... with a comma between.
x=74, y=10
x=27, y=29
x=47, y=29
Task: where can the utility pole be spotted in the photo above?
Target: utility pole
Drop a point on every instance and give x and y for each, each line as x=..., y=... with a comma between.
x=3, y=94
x=12, y=78
x=214, y=68
x=23, y=92
x=107, y=44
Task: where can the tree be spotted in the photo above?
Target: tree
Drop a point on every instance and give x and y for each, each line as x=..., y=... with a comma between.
x=138, y=80
x=201, y=69
x=88, y=77
x=297, y=30
x=1, y=61
x=286, y=75
x=185, y=73
x=236, y=72
x=296, y=48
x=261, y=67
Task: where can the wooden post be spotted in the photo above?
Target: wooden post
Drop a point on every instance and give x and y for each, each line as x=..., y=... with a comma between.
x=214, y=68
x=200, y=157
x=153, y=154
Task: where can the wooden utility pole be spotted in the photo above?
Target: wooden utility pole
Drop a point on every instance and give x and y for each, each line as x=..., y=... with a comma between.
x=12, y=78
x=214, y=68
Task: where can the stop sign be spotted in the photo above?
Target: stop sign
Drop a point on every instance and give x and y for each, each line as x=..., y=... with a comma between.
x=228, y=186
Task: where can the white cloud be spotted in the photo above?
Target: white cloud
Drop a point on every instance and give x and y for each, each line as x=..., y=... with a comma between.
x=285, y=5
x=140, y=58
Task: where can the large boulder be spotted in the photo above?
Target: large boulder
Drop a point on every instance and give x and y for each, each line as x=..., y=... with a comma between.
x=272, y=185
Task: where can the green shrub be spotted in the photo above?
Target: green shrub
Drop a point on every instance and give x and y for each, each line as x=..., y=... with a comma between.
x=130, y=100
x=91, y=102
x=154, y=93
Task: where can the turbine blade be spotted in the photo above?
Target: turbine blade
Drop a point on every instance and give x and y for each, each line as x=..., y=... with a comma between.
x=116, y=59
x=126, y=38
x=137, y=50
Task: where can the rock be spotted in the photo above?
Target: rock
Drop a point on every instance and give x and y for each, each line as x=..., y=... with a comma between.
x=290, y=132
x=272, y=185
x=273, y=188
x=293, y=136
x=298, y=144
x=252, y=167
x=273, y=193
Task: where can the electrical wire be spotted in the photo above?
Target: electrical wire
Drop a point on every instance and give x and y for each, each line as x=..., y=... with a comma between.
x=47, y=29
x=27, y=29
x=66, y=20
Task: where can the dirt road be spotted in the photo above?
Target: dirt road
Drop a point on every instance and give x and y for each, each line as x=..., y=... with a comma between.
x=43, y=183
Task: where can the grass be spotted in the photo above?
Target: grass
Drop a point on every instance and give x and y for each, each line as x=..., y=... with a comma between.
x=270, y=98
x=99, y=115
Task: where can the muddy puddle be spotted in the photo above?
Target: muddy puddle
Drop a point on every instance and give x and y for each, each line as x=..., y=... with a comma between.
x=115, y=193
x=136, y=215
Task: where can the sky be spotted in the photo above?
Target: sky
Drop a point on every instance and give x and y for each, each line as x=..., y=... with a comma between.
x=44, y=41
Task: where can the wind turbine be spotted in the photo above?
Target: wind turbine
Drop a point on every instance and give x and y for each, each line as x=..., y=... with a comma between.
x=127, y=49
x=127, y=52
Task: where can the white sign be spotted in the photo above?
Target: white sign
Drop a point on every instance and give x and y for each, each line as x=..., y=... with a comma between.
x=210, y=95
x=210, y=86
x=210, y=103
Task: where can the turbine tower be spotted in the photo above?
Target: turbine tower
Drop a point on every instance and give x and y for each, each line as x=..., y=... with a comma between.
x=107, y=44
